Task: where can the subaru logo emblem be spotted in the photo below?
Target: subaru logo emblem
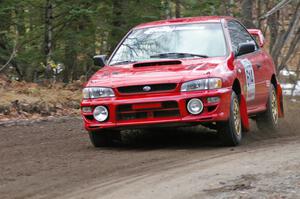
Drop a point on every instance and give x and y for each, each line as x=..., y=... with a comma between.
x=146, y=88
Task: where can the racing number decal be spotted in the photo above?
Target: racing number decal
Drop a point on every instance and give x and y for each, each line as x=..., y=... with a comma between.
x=250, y=80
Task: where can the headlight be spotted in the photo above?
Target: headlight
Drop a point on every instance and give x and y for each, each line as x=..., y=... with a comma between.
x=202, y=84
x=97, y=92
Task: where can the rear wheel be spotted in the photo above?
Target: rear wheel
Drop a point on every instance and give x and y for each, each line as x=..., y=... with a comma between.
x=103, y=138
x=231, y=131
x=268, y=120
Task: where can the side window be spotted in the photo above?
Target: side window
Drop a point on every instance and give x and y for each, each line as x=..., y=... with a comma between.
x=238, y=35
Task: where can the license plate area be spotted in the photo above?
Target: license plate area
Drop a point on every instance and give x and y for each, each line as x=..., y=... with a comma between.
x=145, y=106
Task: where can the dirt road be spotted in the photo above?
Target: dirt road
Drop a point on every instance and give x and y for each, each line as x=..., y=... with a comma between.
x=55, y=160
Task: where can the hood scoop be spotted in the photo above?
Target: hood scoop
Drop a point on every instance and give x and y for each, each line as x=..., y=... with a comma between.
x=157, y=63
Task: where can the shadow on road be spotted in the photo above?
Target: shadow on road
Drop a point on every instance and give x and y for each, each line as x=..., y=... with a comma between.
x=189, y=137
x=192, y=137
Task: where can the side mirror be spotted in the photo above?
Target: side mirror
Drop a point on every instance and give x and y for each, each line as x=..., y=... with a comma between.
x=258, y=34
x=245, y=48
x=99, y=60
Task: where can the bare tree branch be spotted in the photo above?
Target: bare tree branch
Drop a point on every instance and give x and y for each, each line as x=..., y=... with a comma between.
x=297, y=77
x=13, y=54
x=285, y=35
x=295, y=43
x=277, y=7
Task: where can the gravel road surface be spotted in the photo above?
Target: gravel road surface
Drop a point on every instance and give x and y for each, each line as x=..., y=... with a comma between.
x=54, y=159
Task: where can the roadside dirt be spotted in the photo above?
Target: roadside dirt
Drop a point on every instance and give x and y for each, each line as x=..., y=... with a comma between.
x=31, y=101
x=54, y=159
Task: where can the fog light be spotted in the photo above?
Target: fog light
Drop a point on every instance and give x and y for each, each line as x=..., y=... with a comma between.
x=195, y=106
x=213, y=99
x=87, y=109
x=100, y=113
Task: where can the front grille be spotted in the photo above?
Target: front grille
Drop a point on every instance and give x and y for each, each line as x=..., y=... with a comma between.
x=140, y=88
x=167, y=109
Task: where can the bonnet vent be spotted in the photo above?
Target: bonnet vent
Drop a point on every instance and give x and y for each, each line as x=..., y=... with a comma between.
x=157, y=63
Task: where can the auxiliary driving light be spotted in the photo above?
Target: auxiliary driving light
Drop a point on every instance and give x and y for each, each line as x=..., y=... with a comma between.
x=195, y=106
x=100, y=113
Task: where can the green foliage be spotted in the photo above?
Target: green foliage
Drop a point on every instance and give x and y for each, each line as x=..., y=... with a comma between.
x=80, y=29
x=198, y=8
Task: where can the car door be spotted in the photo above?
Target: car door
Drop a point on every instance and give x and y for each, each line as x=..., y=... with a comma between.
x=250, y=64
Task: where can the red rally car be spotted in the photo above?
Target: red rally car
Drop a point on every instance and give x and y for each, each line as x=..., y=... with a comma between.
x=187, y=71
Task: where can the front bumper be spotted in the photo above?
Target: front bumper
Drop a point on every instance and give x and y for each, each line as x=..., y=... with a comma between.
x=212, y=112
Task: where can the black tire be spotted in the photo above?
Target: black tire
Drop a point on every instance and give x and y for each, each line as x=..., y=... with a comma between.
x=103, y=138
x=268, y=120
x=230, y=131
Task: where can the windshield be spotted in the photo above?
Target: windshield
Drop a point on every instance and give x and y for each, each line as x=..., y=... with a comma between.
x=174, y=41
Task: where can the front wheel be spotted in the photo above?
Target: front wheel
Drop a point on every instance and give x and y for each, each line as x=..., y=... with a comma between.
x=268, y=120
x=231, y=131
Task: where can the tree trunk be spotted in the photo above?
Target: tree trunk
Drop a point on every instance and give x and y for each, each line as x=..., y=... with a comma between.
x=166, y=9
x=48, y=37
x=294, y=43
x=247, y=17
x=259, y=4
x=117, y=22
x=20, y=31
x=272, y=23
x=282, y=39
x=70, y=60
x=4, y=26
x=297, y=77
x=177, y=9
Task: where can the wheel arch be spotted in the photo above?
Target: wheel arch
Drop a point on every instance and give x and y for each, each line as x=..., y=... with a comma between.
x=236, y=87
x=278, y=90
x=274, y=81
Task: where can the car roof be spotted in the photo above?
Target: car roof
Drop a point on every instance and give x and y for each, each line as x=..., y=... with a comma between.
x=184, y=21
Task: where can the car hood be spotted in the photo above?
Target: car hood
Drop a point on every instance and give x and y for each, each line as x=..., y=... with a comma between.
x=127, y=75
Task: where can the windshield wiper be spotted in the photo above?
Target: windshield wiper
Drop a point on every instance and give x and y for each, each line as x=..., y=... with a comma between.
x=123, y=62
x=177, y=55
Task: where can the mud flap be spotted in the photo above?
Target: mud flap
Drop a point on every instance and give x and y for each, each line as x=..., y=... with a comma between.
x=280, y=101
x=244, y=114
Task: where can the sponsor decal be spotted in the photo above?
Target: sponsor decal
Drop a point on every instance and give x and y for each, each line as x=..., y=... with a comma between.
x=250, y=79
